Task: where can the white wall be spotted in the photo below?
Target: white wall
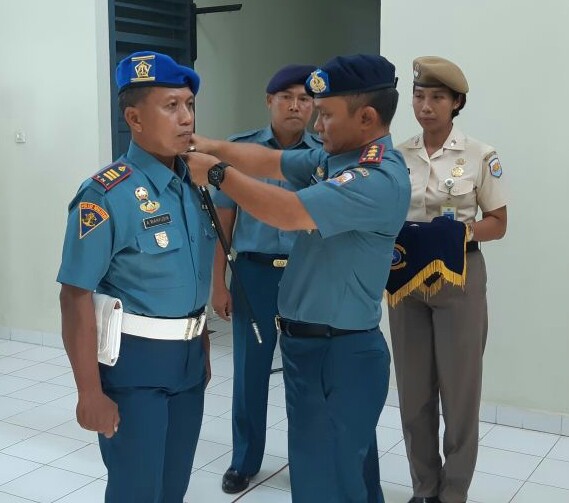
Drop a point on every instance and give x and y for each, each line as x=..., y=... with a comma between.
x=49, y=89
x=514, y=56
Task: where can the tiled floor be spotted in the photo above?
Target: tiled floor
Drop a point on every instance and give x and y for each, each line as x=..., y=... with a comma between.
x=45, y=456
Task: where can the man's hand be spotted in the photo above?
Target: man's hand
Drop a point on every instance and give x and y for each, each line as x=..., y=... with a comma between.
x=199, y=164
x=202, y=144
x=221, y=302
x=97, y=412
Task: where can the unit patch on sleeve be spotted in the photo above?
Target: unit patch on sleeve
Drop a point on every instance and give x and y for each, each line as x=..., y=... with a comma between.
x=372, y=154
x=112, y=175
x=495, y=167
x=345, y=177
x=90, y=217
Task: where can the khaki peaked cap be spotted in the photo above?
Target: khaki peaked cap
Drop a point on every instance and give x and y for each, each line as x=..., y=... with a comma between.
x=432, y=71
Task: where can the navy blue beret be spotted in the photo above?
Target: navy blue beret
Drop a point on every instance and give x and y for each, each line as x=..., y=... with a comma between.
x=289, y=76
x=360, y=73
x=147, y=68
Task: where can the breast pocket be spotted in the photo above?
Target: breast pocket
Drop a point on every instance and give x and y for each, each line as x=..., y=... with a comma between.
x=460, y=187
x=160, y=256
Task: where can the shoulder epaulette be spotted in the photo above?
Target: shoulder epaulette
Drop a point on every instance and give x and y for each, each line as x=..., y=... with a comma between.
x=112, y=175
x=244, y=134
x=372, y=154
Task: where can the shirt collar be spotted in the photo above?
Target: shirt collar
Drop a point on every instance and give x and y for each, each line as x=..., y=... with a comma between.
x=267, y=136
x=339, y=162
x=456, y=141
x=155, y=171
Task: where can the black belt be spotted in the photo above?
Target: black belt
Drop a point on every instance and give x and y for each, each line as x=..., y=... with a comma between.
x=273, y=259
x=300, y=329
x=472, y=246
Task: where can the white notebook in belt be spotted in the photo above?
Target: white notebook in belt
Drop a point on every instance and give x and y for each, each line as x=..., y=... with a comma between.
x=108, y=313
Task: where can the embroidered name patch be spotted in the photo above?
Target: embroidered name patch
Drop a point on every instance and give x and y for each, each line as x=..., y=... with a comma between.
x=157, y=220
x=90, y=217
x=346, y=177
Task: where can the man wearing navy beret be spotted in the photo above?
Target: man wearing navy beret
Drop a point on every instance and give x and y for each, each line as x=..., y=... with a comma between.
x=262, y=252
x=350, y=201
x=137, y=233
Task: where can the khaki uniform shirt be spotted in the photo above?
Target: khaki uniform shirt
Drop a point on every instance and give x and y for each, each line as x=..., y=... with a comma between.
x=462, y=176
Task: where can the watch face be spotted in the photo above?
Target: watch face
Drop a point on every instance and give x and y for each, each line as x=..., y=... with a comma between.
x=215, y=175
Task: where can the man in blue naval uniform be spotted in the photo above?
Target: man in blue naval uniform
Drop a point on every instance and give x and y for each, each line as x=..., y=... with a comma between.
x=136, y=231
x=350, y=202
x=262, y=252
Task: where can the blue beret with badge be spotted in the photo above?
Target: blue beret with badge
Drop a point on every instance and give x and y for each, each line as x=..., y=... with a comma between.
x=147, y=68
x=343, y=75
x=287, y=76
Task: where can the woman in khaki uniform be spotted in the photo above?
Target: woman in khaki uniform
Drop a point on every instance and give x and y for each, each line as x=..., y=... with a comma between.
x=438, y=342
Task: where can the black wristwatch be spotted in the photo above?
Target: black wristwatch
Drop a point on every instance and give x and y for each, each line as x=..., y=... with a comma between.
x=216, y=174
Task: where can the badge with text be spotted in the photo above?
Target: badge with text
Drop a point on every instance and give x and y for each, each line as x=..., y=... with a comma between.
x=449, y=212
x=157, y=220
x=90, y=217
x=162, y=239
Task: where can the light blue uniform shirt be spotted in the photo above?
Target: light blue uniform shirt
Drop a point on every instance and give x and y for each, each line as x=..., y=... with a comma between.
x=163, y=270
x=336, y=274
x=249, y=233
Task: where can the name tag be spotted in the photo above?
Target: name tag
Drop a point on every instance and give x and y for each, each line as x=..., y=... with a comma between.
x=157, y=220
x=449, y=212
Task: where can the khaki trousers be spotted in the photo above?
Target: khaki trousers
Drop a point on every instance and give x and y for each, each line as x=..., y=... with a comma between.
x=437, y=348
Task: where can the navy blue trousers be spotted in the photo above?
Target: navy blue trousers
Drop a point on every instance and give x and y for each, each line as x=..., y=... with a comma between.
x=159, y=389
x=252, y=361
x=335, y=391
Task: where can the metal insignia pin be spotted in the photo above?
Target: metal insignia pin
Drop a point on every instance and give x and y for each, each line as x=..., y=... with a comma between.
x=460, y=161
x=161, y=239
x=449, y=183
x=141, y=193
x=453, y=143
x=457, y=171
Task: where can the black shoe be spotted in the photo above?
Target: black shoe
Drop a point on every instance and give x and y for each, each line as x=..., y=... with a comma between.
x=233, y=482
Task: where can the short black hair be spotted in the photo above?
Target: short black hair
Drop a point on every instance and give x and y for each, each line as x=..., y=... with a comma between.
x=384, y=101
x=132, y=96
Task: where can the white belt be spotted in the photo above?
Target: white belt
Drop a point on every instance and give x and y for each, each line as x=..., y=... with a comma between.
x=164, y=329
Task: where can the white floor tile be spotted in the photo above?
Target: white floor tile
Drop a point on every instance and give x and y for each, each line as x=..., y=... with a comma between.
x=13, y=467
x=41, y=417
x=536, y=493
x=216, y=405
x=46, y=484
x=62, y=361
x=277, y=443
x=560, y=450
x=207, y=452
x=10, y=498
x=41, y=371
x=67, y=402
x=217, y=351
x=487, y=488
x=206, y=487
x=10, y=383
x=41, y=353
x=395, y=493
x=10, y=406
x=277, y=396
x=281, y=425
x=223, y=340
x=275, y=414
x=71, y=429
x=224, y=388
x=484, y=429
x=263, y=494
x=86, y=461
x=395, y=469
x=218, y=430
x=11, y=434
x=387, y=438
x=221, y=464
x=524, y=441
x=44, y=448
x=277, y=478
x=42, y=392
x=64, y=380
x=222, y=366
x=91, y=493
x=552, y=472
x=390, y=417
x=9, y=364
x=506, y=463
x=13, y=347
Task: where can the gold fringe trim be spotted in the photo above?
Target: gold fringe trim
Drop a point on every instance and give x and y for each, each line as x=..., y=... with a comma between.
x=418, y=281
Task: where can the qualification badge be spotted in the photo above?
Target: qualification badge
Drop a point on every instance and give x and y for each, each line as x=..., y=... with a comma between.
x=161, y=239
x=150, y=206
x=90, y=217
x=457, y=171
x=141, y=194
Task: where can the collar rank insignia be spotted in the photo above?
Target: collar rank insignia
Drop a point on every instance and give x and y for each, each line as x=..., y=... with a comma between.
x=112, y=175
x=372, y=154
x=90, y=217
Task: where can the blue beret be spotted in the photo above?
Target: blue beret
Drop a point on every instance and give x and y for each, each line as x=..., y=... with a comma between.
x=289, y=76
x=360, y=73
x=147, y=68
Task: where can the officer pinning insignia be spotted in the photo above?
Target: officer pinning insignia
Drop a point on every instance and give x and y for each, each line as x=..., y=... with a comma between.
x=112, y=175
x=344, y=178
x=318, y=81
x=163, y=219
x=457, y=171
x=162, y=239
x=362, y=171
x=372, y=154
x=495, y=167
x=91, y=216
x=141, y=193
x=150, y=206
